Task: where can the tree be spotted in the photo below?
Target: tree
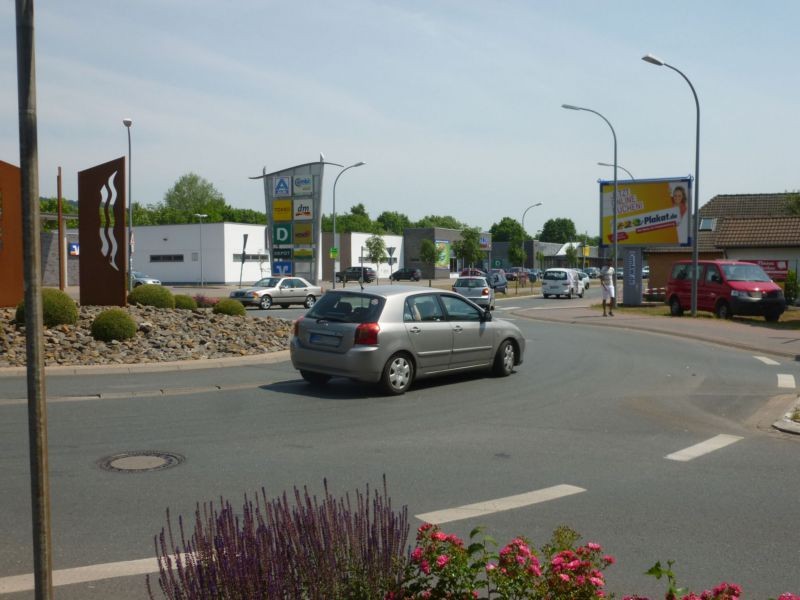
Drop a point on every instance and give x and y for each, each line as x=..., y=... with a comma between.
x=468, y=248
x=357, y=220
x=428, y=256
x=443, y=222
x=376, y=252
x=516, y=254
x=508, y=229
x=192, y=195
x=793, y=203
x=572, y=256
x=559, y=231
x=50, y=205
x=540, y=258
x=393, y=222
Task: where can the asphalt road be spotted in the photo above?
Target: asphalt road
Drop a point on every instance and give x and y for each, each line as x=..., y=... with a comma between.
x=593, y=408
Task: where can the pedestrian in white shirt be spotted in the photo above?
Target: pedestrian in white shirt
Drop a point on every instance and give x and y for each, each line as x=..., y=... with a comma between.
x=608, y=283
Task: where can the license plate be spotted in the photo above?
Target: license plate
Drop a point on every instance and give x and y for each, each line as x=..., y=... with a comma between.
x=324, y=340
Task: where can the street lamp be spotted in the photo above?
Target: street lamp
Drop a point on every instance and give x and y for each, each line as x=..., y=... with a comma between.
x=602, y=164
x=201, y=216
x=335, y=240
x=614, y=223
x=695, y=226
x=523, y=231
x=128, y=122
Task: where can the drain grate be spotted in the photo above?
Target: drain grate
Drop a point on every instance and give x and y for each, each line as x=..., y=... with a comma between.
x=139, y=461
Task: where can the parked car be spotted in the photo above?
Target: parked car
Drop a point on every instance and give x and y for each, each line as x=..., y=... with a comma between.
x=282, y=291
x=140, y=278
x=406, y=273
x=534, y=274
x=472, y=272
x=584, y=277
x=515, y=273
x=393, y=335
x=646, y=272
x=476, y=289
x=365, y=274
x=726, y=288
x=561, y=282
x=498, y=281
x=592, y=272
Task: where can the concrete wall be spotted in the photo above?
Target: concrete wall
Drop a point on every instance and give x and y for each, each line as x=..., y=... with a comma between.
x=50, y=265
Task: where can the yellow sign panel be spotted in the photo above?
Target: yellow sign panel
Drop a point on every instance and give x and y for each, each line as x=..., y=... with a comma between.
x=282, y=210
x=649, y=213
x=302, y=234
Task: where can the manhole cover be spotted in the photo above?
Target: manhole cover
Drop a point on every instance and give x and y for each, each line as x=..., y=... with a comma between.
x=139, y=461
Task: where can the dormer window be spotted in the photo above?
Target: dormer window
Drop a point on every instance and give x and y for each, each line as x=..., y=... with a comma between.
x=708, y=224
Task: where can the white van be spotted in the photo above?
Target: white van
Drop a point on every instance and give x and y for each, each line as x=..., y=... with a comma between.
x=562, y=282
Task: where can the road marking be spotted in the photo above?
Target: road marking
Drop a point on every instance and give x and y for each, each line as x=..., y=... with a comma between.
x=25, y=583
x=481, y=509
x=508, y=307
x=786, y=381
x=766, y=361
x=702, y=448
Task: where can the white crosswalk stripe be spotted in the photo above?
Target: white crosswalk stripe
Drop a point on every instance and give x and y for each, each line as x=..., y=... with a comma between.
x=786, y=381
x=702, y=448
x=766, y=361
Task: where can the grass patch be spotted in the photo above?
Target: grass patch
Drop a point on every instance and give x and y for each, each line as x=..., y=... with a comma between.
x=790, y=320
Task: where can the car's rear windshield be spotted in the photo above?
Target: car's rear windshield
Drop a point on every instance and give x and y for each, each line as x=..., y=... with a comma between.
x=471, y=283
x=744, y=273
x=347, y=307
x=555, y=275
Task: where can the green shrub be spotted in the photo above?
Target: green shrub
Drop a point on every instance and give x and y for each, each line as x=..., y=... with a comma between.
x=227, y=306
x=152, y=295
x=57, y=309
x=185, y=302
x=790, y=287
x=113, y=324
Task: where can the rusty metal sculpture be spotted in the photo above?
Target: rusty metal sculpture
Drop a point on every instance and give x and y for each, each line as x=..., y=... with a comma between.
x=12, y=289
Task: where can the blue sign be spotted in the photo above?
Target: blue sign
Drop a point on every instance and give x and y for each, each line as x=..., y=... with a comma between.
x=74, y=249
x=281, y=186
x=282, y=267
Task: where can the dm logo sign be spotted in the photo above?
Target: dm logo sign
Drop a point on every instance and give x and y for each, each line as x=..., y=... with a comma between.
x=282, y=233
x=302, y=210
x=303, y=185
x=281, y=187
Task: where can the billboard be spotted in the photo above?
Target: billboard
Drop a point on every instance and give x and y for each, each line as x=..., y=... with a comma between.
x=650, y=212
x=442, y=254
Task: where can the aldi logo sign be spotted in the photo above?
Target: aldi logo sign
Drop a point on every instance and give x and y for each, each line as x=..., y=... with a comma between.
x=281, y=187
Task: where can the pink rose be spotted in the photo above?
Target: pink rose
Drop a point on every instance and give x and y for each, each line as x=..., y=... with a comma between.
x=564, y=576
x=426, y=567
x=416, y=554
x=593, y=546
x=442, y=561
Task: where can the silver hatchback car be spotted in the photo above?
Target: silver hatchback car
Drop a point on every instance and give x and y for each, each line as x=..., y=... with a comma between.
x=396, y=334
x=476, y=289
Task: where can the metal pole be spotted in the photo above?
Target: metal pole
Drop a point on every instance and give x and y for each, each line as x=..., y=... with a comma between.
x=523, y=231
x=336, y=262
x=696, y=212
x=34, y=327
x=61, y=260
x=128, y=122
x=201, y=251
x=602, y=164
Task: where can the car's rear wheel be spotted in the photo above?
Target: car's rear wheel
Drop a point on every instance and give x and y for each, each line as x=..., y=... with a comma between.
x=675, y=308
x=315, y=378
x=569, y=296
x=310, y=300
x=265, y=302
x=397, y=374
x=504, y=359
x=723, y=310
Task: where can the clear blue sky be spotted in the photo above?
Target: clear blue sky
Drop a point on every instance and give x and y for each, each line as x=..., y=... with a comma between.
x=455, y=105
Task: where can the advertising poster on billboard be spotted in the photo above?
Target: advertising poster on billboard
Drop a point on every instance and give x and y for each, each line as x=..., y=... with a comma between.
x=442, y=254
x=654, y=212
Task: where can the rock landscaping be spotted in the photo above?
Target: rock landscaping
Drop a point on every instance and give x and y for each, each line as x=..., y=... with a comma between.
x=162, y=335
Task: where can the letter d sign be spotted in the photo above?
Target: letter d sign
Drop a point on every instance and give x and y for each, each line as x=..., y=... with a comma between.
x=281, y=234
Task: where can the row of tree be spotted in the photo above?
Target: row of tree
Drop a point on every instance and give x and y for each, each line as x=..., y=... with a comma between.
x=193, y=195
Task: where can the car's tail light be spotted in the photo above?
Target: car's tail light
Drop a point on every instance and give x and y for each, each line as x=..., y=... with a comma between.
x=296, y=326
x=367, y=334
x=485, y=292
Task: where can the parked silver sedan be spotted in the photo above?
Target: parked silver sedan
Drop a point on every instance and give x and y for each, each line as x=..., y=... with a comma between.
x=396, y=334
x=282, y=291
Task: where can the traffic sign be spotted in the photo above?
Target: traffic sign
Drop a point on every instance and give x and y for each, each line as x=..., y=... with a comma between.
x=333, y=253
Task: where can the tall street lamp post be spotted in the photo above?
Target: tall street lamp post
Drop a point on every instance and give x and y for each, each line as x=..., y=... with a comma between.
x=613, y=133
x=696, y=225
x=523, y=231
x=336, y=262
x=201, y=216
x=603, y=164
x=128, y=122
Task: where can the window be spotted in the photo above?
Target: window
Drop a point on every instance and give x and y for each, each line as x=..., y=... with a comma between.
x=708, y=224
x=424, y=307
x=712, y=274
x=458, y=310
x=250, y=257
x=155, y=258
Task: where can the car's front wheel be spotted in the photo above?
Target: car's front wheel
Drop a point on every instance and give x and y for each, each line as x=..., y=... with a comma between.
x=675, y=308
x=310, y=300
x=315, y=378
x=723, y=310
x=398, y=374
x=265, y=302
x=504, y=359
x=772, y=316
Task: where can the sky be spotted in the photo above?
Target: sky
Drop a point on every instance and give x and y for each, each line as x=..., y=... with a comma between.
x=454, y=105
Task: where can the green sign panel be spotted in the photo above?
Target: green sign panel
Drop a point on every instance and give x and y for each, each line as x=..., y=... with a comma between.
x=334, y=253
x=282, y=233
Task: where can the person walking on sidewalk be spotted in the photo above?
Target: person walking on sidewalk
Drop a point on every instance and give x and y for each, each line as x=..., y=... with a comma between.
x=608, y=283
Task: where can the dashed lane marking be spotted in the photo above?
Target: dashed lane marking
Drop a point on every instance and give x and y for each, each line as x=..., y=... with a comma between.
x=766, y=361
x=702, y=448
x=786, y=381
x=481, y=509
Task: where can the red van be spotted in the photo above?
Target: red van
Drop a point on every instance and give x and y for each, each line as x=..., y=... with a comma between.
x=726, y=288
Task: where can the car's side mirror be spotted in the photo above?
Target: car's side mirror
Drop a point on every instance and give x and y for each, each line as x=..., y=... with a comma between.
x=487, y=315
